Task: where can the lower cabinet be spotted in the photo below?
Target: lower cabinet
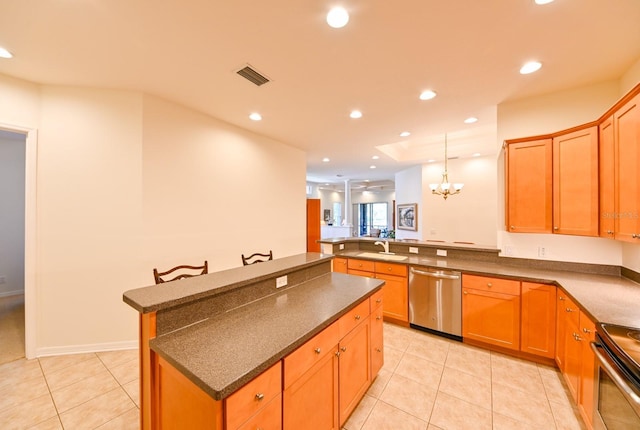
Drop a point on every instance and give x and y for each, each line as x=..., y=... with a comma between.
x=575, y=358
x=491, y=311
x=538, y=325
x=354, y=368
x=377, y=338
x=396, y=288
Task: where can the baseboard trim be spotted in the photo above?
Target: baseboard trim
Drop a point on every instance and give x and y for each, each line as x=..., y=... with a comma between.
x=12, y=293
x=79, y=349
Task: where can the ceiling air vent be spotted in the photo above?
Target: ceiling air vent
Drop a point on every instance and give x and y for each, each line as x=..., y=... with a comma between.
x=253, y=75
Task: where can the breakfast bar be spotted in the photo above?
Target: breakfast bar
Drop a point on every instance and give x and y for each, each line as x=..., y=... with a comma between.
x=203, y=339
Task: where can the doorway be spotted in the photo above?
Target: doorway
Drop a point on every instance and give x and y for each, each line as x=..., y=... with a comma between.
x=368, y=216
x=12, y=245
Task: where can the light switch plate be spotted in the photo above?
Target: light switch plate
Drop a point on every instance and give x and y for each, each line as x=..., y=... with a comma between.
x=413, y=250
x=341, y=246
x=281, y=281
x=441, y=252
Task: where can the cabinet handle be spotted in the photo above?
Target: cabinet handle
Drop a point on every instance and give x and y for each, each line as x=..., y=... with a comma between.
x=389, y=269
x=634, y=235
x=357, y=317
x=379, y=301
x=378, y=350
x=609, y=231
x=317, y=350
x=561, y=298
x=338, y=354
x=569, y=310
x=465, y=293
x=259, y=397
x=577, y=337
x=513, y=228
x=586, y=330
x=556, y=228
x=378, y=318
x=343, y=349
x=489, y=284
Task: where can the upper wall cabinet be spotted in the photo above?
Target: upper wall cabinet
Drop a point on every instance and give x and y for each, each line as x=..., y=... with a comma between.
x=575, y=182
x=606, y=167
x=528, y=187
x=626, y=129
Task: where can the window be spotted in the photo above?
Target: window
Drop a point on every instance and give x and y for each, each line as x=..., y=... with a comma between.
x=370, y=215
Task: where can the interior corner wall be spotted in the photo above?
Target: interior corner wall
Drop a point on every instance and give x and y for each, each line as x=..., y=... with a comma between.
x=409, y=190
x=215, y=191
x=466, y=217
x=12, y=216
x=630, y=79
x=543, y=115
x=118, y=173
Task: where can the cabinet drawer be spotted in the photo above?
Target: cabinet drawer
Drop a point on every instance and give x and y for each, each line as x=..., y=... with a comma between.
x=340, y=265
x=375, y=300
x=361, y=273
x=303, y=358
x=391, y=269
x=269, y=418
x=355, y=264
x=249, y=399
x=354, y=317
x=497, y=285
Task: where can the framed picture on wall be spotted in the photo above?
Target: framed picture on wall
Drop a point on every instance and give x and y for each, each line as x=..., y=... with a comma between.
x=407, y=216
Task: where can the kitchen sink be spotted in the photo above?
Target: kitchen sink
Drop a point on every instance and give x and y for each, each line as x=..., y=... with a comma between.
x=380, y=256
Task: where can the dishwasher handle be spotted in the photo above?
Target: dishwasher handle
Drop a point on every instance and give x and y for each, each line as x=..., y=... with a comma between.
x=434, y=274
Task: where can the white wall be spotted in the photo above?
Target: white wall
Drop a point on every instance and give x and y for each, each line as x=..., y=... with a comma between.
x=12, y=215
x=409, y=190
x=128, y=182
x=542, y=115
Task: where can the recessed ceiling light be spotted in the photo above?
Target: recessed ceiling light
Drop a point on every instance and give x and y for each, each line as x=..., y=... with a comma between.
x=375, y=157
x=431, y=160
x=543, y=1
x=325, y=160
x=470, y=120
x=372, y=167
x=355, y=114
x=405, y=134
x=530, y=67
x=477, y=154
x=337, y=17
x=5, y=54
x=427, y=95
x=255, y=116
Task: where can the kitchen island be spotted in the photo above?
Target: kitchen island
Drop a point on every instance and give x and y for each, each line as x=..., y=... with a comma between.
x=204, y=339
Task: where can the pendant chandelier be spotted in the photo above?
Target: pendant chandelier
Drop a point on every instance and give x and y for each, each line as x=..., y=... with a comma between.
x=444, y=188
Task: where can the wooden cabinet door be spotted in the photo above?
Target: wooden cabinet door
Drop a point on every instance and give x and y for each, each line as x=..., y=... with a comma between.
x=575, y=183
x=538, y=324
x=355, y=369
x=561, y=324
x=313, y=225
x=396, y=297
x=491, y=317
x=268, y=418
x=529, y=187
x=627, y=178
x=606, y=167
x=572, y=354
x=377, y=341
x=313, y=398
x=340, y=265
x=587, y=334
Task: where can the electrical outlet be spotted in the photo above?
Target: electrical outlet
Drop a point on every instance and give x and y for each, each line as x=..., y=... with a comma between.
x=508, y=250
x=281, y=281
x=341, y=246
x=542, y=251
x=441, y=252
x=3, y=280
x=413, y=250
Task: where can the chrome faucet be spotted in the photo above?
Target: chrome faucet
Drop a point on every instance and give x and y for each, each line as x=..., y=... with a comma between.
x=385, y=245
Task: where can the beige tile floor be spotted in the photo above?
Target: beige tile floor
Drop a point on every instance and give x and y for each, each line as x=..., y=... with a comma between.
x=427, y=383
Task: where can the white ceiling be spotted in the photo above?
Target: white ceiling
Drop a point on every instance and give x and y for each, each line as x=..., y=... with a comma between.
x=468, y=51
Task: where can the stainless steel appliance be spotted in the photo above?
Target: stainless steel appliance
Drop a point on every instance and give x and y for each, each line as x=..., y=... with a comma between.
x=617, y=350
x=435, y=301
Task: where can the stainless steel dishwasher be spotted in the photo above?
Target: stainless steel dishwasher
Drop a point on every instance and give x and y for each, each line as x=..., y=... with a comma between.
x=435, y=301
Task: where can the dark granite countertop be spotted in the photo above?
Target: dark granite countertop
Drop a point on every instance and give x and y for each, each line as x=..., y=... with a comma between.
x=224, y=352
x=170, y=294
x=611, y=299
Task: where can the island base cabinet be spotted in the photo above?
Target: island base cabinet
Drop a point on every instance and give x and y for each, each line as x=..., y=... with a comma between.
x=313, y=397
x=269, y=418
x=355, y=368
x=180, y=404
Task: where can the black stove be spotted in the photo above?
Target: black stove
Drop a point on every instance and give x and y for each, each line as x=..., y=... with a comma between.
x=623, y=346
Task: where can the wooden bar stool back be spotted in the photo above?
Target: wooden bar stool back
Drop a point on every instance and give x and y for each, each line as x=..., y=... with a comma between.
x=162, y=277
x=257, y=258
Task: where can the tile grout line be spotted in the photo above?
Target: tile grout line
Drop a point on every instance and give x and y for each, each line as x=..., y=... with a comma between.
x=55, y=406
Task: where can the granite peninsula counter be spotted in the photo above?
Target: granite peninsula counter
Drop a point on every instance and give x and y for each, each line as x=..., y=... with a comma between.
x=223, y=329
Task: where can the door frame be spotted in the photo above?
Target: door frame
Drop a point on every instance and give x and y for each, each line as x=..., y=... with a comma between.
x=30, y=224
